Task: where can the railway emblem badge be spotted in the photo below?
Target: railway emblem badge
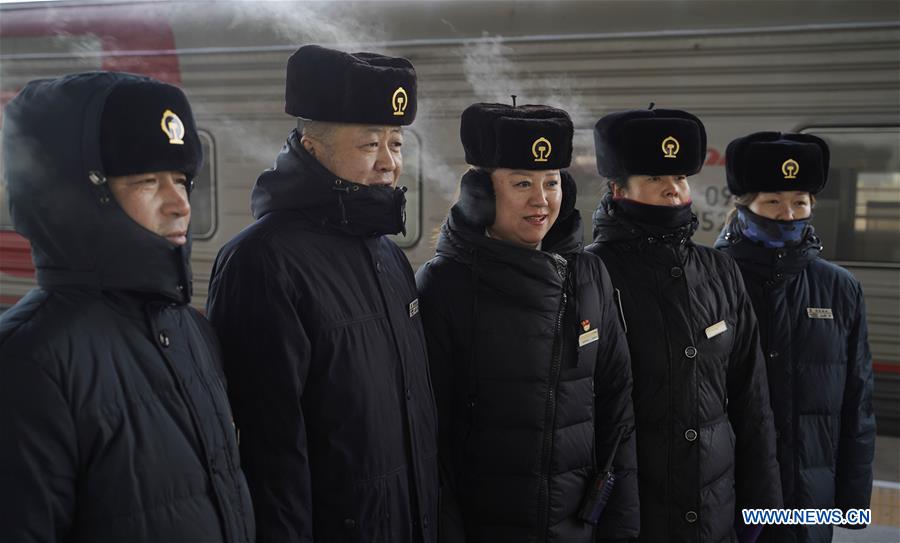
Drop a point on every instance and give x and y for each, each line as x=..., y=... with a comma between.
x=541, y=149
x=399, y=101
x=172, y=127
x=790, y=168
x=670, y=147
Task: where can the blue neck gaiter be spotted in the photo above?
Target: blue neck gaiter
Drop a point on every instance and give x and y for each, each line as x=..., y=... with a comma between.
x=770, y=233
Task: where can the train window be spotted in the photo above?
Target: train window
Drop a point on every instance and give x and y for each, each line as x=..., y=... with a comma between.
x=203, y=198
x=857, y=215
x=412, y=179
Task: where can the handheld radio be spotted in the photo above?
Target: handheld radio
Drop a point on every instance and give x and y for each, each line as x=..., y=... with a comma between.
x=601, y=488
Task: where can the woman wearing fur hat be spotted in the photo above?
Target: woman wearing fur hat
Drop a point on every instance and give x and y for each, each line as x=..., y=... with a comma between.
x=812, y=322
x=528, y=361
x=705, y=438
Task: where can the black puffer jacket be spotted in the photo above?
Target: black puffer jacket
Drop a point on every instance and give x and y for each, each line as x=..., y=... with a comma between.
x=116, y=425
x=812, y=321
x=318, y=316
x=516, y=395
x=705, y=438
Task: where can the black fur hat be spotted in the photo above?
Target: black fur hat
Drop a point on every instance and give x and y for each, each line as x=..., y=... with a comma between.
x=649, y=142
x=364, y=88
x=148, y=126
x=773, y=162
x=530, y=137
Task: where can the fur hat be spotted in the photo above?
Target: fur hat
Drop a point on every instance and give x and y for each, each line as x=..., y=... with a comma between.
x=649, y=142
x=773, y=162
x=363, y=88
x=148, y=126
x=530, y=137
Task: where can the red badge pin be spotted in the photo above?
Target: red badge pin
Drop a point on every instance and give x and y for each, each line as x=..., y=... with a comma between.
x=586, y=324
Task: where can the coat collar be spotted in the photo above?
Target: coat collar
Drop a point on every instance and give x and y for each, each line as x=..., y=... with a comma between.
x=612, y=224
x=299, y=183
x=769, y=265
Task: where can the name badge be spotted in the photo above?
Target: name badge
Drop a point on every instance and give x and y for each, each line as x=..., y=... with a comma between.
x=716, y=329
x=819, y=313
x=588, y=337
x=413, y=308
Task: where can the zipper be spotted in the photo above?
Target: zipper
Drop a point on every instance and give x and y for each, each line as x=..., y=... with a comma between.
x=550, y=413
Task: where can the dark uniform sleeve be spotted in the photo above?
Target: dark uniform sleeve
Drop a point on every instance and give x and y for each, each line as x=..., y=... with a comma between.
x=38, y=455
x=856, y=448
x=266, y=350
x=437, y=326
x=757, y=477
x=614, y=411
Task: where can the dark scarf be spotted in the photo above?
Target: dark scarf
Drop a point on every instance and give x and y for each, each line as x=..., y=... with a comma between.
x=642, y=223
x=665, y=217
x=770, y=233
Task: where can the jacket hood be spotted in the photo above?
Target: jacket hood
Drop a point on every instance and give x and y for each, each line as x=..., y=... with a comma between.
x=298, y=182
x=611, y=224
x=765, y=263
x=60, y=201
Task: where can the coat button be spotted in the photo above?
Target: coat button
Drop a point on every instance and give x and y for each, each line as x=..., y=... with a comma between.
x=690, y=351
x=690, y=516
x=378, y=266
x=409, y=394
x=676, y=272
x=773, y=354
x=163, y=339
x=349, y=523
x=691, y=435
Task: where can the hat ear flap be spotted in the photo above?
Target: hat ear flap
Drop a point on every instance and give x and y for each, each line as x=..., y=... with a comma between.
x=477, y=202
x=569, y=195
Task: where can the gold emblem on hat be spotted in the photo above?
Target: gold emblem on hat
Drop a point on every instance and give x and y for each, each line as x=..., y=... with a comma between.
x=790, y=168
x=541, y=149
x=670, y=147
x=399, y=101
x=173, y=127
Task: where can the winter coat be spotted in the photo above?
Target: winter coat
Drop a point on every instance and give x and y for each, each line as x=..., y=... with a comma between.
x=526, y=416
x=318, y=316
x=116, y=425
x=705, y=437
x=812, y=321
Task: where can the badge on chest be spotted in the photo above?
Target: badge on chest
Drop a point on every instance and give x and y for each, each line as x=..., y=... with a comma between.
x=715, y=329
x=589, y=336
x=819, y=313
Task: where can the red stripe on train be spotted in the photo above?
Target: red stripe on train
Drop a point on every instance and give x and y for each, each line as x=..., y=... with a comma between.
x=886, y=367
x=144, y=31
x=15, y=255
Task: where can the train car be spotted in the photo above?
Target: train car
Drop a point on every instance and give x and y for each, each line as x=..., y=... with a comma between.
x=824, y=67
